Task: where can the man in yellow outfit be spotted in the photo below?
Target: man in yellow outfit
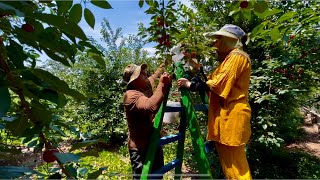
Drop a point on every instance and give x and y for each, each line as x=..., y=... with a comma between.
x=229, y=110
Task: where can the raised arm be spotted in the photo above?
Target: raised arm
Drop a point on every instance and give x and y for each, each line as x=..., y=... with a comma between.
x=156, y=74
x=137, y=101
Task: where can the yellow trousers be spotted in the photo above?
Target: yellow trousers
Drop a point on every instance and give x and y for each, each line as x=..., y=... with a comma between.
x=233, y=161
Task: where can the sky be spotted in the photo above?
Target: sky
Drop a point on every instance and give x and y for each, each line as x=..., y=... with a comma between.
x=125, y=14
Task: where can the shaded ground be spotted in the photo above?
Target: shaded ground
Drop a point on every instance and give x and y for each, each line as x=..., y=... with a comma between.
x=311, y=143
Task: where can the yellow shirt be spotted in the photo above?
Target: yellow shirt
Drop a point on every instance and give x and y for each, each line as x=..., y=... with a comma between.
x=229, y=109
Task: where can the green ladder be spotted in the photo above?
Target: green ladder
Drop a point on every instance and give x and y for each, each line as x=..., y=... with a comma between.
x=188, y=116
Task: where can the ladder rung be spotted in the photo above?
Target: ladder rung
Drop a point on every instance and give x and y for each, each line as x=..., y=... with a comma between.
x=174, y=109
x=198, y=107
x=201, y=107
x=169, y=139
x=167, y=167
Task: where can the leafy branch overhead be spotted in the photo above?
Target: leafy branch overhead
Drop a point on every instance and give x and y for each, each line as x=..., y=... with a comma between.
x=30, y=94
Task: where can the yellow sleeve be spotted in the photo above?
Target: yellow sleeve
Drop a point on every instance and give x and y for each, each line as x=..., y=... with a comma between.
x=223, y=80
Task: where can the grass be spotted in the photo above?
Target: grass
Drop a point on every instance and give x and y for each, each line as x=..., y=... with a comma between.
x=118, y=166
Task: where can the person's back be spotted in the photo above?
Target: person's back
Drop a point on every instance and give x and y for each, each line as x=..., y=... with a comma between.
x=141, y=105
x=139, y=120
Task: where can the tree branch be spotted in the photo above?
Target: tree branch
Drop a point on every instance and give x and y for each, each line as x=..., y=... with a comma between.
x=17, y=87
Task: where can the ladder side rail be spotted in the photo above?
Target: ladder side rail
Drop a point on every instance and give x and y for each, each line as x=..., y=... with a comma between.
x=155, y=137
x=196, y=135
x=180, y=146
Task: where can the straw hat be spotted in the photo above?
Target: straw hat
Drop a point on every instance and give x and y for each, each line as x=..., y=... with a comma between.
x=228, y=30
x=132, y=72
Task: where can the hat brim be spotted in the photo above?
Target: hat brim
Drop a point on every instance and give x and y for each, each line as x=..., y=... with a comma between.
x=220, y=33
x=137, y=72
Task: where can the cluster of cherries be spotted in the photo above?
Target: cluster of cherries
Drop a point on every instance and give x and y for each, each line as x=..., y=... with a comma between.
x=164, y=39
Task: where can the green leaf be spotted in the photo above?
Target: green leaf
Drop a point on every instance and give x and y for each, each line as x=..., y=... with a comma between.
x=84, y=144
x=56, y=57
x=18, y=126
x=55, y=176
x=260, y=6
x=67, y=157
x=56, y=128
x=5, y=26
x=92, y=49
x=89, y=17
x=258, y=29
x=5, y=100
x=90, y=153
x=16, y=54
x=53, y=96
x=60, y=22
x=11, y=172
x=246, y=14
x=40, y=113
x=95, y=174
x=75, y=14
x=286, y=16
x=57, y=84
x=150, y=2
x=14, y=7
x=32, y=143
x=141, y=3
x=98, y=59
x=101, y=3
x=268, y=12
x=275, y=34
x=83, y=171
x=234, y=12
x=72, y=171
x=64, y=6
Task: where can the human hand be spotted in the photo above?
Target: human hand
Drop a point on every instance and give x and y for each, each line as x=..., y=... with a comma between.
x=183, y=82
x=165, y=78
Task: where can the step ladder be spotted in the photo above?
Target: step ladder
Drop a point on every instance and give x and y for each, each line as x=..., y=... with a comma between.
x=188, y=116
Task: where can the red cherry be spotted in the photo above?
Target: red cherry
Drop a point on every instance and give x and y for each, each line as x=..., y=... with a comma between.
x=244, y=4
x=193, y=54
x=292, y=36
x=302, y=42
x=160, y=24
x=167, y=43
x=158, y=19
x=28, y=27
x=48, y=155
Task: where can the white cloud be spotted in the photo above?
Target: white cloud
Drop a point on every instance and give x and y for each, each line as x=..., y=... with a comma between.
x=118, y=41
x=186, y=2
x=150, y=50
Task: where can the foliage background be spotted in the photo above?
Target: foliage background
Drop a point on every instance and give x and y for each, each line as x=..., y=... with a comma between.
x=77, y=96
